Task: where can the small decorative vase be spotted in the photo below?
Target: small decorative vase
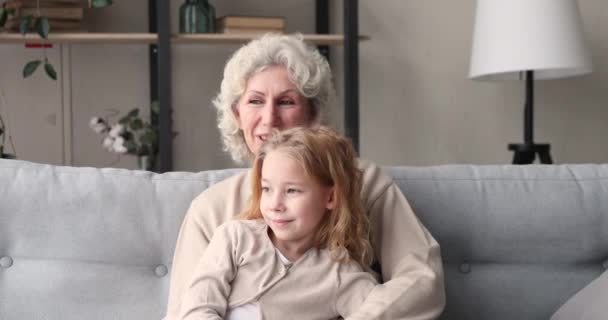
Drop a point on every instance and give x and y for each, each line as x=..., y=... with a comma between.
x=196, y=16
x=210, y=10
x=6, y=155
x=145, y=163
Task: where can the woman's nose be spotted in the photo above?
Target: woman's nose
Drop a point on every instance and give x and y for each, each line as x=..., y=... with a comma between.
x=270, y=115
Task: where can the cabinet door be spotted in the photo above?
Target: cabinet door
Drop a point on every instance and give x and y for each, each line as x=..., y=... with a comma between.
x=34, y=106
x=105, y=78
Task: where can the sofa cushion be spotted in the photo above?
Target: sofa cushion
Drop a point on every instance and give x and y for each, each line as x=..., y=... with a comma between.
x=87, y=243
x=589, y=303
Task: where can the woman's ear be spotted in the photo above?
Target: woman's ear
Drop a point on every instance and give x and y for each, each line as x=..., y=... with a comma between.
x=237, y=114
x=331, y=201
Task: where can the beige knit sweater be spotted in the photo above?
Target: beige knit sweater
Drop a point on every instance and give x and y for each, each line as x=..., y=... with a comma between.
x=241, y=266
x=410, y=258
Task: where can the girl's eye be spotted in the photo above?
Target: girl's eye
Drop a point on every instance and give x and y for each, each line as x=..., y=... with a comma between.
x=293, y=190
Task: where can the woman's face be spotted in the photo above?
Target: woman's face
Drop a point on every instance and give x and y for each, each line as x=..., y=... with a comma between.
x=270, y=101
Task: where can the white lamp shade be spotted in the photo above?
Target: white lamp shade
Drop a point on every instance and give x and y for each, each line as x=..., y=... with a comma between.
x=544, y=36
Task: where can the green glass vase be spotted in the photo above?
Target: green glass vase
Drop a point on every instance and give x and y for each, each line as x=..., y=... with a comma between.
x=196, y=16
x=210, y=11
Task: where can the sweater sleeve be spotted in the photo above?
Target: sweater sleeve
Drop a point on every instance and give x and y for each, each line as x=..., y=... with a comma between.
x=191, y=243
x=206, y=296
x=210, y=209
x=353, y=287
x=410, y=261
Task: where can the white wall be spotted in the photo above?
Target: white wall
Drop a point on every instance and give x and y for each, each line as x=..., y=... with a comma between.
x=416, y=95
x=417, y=105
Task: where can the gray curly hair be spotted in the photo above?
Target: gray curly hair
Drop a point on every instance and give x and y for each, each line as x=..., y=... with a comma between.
x=306, y=68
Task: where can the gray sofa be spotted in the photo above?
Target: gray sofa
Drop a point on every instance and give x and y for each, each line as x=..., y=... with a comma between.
x=85, y=243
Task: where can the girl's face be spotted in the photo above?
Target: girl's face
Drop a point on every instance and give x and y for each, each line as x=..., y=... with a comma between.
x=270, y=101
x=292, y=203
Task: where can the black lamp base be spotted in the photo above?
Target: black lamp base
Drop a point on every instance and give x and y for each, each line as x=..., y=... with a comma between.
x=526, y=153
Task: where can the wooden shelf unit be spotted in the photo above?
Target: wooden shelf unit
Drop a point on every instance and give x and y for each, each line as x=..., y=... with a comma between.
x=159, y=39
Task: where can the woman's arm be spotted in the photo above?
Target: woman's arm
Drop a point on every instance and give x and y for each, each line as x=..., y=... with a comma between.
x=409, y=256
x=206, y=296
x=216, y=205
x=410, y=261
x=353, y=287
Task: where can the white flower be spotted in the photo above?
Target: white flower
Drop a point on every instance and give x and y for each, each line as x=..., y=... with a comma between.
x=117, y=130
x=108, y=142
x=98, y=125
x=119, y=145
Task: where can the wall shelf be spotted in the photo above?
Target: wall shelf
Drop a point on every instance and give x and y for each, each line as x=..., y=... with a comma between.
x=160, y=40
x=152, y=38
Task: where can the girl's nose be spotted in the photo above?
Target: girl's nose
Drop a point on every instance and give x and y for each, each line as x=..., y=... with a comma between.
x=277, y=204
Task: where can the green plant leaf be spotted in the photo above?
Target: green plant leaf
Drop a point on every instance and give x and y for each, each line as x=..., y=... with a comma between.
x=25, y=24
x=42, y=27
x=50, y=71
x=137, y=124
x=30, y=67
x=131, y=146
x=133, y=113
x=3, y=17
x=100, y=3
x=149, y=138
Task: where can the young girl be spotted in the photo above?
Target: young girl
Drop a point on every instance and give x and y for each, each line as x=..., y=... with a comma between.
x=301, y=249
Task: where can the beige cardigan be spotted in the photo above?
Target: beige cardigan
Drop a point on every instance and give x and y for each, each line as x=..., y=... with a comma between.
x=410, y=258
x=241, y=266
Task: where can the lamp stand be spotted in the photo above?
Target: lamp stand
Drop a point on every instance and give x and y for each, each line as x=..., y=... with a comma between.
x=526, y=153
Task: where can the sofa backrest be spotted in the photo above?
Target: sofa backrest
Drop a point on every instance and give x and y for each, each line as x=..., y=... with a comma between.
x=516, y=241
x=85, y=243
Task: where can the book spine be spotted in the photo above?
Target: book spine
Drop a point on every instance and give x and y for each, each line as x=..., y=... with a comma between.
x=53, y=13
x=251, y=22
x=13, y=4
x=236, y=30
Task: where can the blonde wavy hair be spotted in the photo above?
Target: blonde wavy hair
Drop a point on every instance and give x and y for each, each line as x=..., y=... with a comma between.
x=330, y=159
x=306, y=68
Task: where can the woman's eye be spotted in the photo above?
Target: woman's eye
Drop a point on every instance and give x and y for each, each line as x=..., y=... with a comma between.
x=286, y=102
x=256, y=101
x=265, y=189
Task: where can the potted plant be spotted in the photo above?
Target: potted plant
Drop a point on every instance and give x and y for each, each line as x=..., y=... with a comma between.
x=132, y=135
x=40, y=24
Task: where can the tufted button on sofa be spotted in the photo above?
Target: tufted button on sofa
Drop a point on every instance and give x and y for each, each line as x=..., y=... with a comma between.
x=6, y=262
x=86, y=243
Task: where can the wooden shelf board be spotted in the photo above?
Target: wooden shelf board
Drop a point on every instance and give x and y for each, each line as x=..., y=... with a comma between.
x=84, y=37
x=320, y=39
x=148, y=38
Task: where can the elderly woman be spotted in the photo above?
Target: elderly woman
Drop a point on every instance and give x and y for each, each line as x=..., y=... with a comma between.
x=278, y=82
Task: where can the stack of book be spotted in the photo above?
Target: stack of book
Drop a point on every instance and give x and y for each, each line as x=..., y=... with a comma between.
x=250, y=24
x=63, y=15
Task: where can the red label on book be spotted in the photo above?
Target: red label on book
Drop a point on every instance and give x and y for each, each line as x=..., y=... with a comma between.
x=38, y=45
